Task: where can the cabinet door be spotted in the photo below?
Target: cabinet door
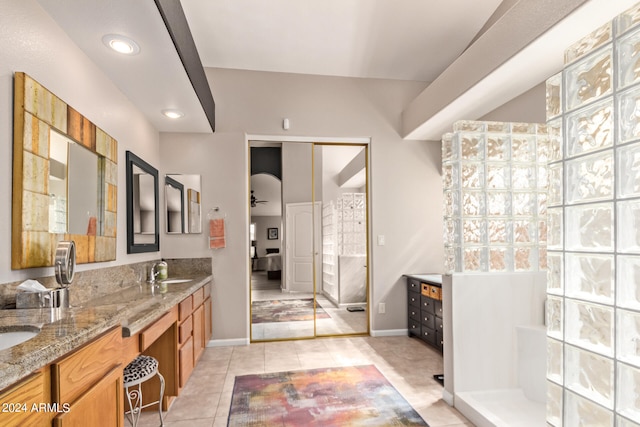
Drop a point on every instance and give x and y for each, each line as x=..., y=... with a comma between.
x=208, y=321
x=18, y=402
x=198, y=333
x=186, y=361
x=100, y=405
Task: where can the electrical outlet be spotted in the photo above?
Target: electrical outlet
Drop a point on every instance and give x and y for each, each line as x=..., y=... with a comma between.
x=382, y=307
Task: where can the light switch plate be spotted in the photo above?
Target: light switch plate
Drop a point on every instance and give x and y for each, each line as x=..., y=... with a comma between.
x=381, y=240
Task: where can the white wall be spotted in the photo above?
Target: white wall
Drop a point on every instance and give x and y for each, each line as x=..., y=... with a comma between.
x=406, y=190
x=31, y=41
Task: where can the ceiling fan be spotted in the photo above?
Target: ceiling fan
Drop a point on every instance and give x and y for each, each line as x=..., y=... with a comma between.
x=255, y=201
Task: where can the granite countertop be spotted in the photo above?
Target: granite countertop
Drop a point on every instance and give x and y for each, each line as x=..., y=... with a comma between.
x=428, y=277
x=65, y=329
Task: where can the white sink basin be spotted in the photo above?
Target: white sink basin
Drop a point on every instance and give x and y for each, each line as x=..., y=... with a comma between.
x=17, y=336
x=170, y=281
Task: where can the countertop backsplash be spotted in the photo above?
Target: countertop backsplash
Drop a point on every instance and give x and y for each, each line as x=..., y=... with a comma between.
x=91, y=284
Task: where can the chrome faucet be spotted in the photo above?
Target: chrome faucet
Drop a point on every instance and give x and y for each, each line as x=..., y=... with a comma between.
x=153, y=273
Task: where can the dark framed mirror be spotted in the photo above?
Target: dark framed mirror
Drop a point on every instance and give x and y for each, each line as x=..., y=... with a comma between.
x=143, y=231
x=174, y=198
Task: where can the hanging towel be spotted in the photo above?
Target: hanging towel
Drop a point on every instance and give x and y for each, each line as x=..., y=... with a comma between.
x=216, y=233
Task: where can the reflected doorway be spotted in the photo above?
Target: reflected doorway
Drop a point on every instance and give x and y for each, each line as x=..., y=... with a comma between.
x=308, y=259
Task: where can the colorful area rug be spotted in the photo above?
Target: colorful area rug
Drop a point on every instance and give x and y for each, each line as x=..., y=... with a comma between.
x=285, y=310
x=347, y=396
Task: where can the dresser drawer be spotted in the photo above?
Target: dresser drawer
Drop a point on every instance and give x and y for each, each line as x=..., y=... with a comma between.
x=428, y=320
x=438, y=308
x=427, y=304
x=439, y=340
x=435, y=292
x=429, y=335
x=413, y=285
x=414, y=299
x=414, y=327
x=414, y=313
x=439, y=324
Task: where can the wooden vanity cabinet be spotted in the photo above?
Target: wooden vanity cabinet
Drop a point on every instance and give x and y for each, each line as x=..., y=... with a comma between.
x=87, y=384
x=194, y=330
x=21, y=403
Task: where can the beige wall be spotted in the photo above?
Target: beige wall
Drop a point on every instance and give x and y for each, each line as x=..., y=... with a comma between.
x=31, y=41
x=405, y=180
x=262, y=224
x=530, y=107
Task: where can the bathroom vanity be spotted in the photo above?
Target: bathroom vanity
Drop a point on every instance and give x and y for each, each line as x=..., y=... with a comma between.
x=72, y=369
x=424, y=297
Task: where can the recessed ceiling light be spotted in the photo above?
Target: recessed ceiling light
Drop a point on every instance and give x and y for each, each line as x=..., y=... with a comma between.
x=121, y=44
x=173, y=114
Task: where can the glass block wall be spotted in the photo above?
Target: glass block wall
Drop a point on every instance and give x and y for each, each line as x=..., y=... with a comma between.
x=495, y=189
x=593, y=313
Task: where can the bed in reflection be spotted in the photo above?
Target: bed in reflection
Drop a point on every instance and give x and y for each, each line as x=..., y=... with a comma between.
x=274, y=264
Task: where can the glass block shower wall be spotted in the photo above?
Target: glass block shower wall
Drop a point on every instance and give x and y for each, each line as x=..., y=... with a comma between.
x=495, y=190
x=593, y=313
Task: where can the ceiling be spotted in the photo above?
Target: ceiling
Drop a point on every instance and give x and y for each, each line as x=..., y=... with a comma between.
x=445, y=43
x=353, y=38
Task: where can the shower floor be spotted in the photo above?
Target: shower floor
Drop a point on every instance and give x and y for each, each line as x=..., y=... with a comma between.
x=500, y=408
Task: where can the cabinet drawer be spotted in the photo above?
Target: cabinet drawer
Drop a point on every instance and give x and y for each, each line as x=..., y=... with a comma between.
x=428, y=320
x=414, y=327
x=414, y=313
x=185, y=308
x=438, y=308
x=439, y=340
x=198, y=297
x=79, y=371
x=413, y=285
x=439, y=324
x=184, y=332
x=153, y=332
x=414, y=299
x=429, y=335
x=426, y=304
x=207, y=290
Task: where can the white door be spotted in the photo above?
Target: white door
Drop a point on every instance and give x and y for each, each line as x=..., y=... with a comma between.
x=301, y=247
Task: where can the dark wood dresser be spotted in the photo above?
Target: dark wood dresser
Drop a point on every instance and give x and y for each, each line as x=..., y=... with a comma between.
x=424, y=296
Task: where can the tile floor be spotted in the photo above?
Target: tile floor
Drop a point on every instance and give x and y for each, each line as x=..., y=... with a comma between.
x=407, y=363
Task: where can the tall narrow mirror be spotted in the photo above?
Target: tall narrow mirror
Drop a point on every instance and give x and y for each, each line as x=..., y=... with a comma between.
x=183, y=205
x=174, y=199
x=142, y=206
x=341, y=272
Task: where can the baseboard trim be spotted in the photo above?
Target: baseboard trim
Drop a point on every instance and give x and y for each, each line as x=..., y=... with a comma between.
x=390, y=333
x=447, y=397
x=228, y=343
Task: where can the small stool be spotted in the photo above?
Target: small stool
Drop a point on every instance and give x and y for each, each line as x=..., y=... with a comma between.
x=141, y=369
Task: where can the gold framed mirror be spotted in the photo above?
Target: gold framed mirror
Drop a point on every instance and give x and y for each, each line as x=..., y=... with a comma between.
x=40, y=216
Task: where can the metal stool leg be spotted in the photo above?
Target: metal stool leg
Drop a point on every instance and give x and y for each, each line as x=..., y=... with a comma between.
x=134, y=397
x=161, y=396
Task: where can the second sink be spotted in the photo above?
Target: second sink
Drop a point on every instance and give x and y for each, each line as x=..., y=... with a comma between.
x=13, y=336
x=170, y=281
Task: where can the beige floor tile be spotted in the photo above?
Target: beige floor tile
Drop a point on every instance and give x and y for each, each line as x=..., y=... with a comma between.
x=407, y=363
